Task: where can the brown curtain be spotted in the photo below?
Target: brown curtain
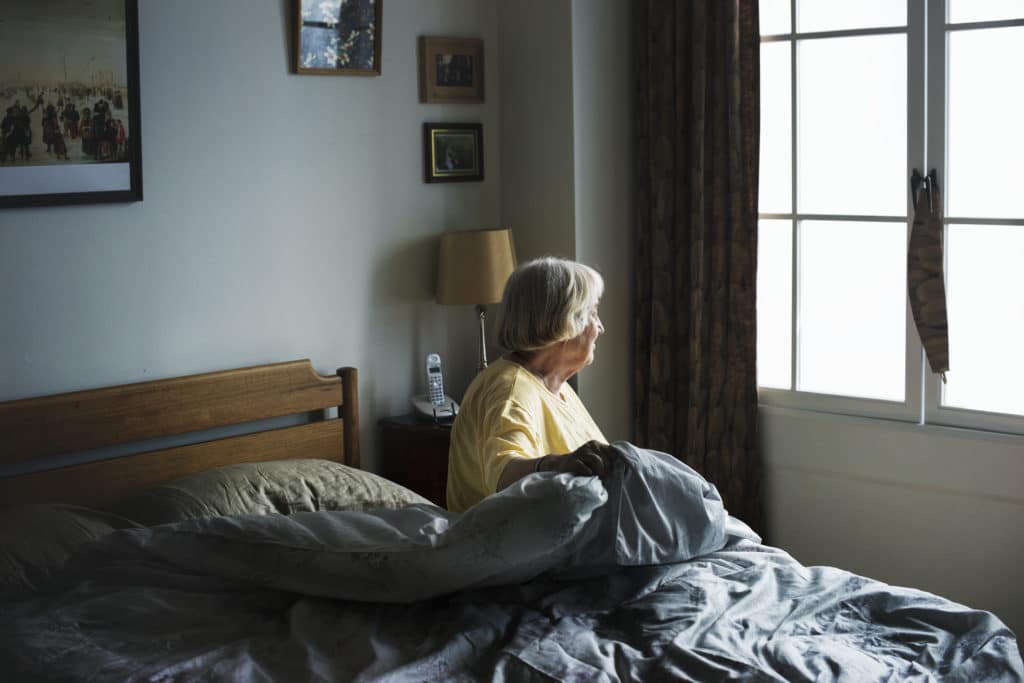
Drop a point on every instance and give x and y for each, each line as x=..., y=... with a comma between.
x=698, y=117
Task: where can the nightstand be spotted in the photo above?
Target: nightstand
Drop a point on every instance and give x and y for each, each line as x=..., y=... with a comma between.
x=414, y=453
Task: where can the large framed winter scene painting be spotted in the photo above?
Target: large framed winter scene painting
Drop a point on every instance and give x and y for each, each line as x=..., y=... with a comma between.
x=69, y=100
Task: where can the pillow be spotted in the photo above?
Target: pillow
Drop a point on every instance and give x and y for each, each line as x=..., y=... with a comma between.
x=278, y=486
x=35, y=541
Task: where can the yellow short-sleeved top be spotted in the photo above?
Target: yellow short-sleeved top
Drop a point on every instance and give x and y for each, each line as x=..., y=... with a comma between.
x=509, y=413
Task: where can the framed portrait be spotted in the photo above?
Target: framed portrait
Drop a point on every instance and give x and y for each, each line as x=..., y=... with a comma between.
x=70, y=131
x=451, y=70
x=338, y=37
x=453, y=152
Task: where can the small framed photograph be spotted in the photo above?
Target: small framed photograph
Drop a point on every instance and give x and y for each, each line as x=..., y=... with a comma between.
x=451, y=70
x=338, y=37
x=70, y=129
x=453, y=152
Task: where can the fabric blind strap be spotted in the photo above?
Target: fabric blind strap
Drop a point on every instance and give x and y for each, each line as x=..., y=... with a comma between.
x=926, y=285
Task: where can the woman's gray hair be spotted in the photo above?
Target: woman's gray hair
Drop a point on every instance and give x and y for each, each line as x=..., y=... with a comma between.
x=546, y=301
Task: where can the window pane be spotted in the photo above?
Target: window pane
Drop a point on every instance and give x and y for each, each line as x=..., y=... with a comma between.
x=776, y=169
x=852, y=315
x=985, y=10
x=774, y=303
x=985, y=304
x=986, y=139
x=853, y=125
x=835, y=15
x=773, y=17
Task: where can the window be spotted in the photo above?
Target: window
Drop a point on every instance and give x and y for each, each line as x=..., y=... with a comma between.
x=853, y=97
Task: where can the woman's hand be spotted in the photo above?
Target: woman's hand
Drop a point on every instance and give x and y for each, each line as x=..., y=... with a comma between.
x=592, y=459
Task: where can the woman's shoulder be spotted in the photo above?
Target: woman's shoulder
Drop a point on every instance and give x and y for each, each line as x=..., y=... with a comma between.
x=503, y=381
x=503, y=375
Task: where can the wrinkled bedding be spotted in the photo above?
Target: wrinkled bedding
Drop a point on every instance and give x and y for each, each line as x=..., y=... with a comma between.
x=644, y=577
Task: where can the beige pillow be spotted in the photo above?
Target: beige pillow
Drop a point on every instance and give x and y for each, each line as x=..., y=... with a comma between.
x=35, y=541
x=279, y=486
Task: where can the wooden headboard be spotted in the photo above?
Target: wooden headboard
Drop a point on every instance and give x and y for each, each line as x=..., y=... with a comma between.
x=37, y=428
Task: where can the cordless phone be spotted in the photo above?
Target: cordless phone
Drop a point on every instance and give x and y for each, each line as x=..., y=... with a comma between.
x=435, y=381
x=435, y=405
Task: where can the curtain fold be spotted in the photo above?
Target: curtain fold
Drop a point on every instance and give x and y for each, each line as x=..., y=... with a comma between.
x=698, y=117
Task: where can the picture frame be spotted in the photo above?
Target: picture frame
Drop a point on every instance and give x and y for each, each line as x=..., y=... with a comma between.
x=70, y=123
x=338, y=37
x=453, y=152
x=451, y=70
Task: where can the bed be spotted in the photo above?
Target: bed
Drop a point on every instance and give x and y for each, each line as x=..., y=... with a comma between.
x=269, y=555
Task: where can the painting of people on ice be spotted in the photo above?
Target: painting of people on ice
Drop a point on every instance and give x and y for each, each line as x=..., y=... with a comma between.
x=69, y=102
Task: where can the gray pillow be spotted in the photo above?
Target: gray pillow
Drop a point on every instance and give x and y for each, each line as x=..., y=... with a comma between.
x=278, y=486
x=36, y=540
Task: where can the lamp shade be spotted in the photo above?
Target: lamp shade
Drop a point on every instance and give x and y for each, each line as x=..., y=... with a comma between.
x=474, y=265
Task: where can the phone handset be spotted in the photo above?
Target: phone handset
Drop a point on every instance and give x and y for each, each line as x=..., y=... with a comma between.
x=435, y=381
x=435, y=405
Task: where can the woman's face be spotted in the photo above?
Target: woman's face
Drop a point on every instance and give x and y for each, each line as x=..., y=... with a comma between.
x=579, y=351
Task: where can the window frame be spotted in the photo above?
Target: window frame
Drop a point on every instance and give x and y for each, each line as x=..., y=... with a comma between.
x=926, y=33
x=938, y=31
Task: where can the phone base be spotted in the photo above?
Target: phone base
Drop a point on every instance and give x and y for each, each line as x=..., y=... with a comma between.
x=443, y=414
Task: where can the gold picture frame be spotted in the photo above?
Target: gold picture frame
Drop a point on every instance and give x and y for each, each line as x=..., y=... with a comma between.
x=453, y=152
x=451, y=70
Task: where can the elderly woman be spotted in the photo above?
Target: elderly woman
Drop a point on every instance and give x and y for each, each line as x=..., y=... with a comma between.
x=519, y=416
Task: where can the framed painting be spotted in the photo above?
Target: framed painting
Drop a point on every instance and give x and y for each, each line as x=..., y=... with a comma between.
x=453, y=152
x=451, y=70
x=338, y=37
x=69, y=101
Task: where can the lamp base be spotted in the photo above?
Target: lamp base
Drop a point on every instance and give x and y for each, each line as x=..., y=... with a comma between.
x=481, y=312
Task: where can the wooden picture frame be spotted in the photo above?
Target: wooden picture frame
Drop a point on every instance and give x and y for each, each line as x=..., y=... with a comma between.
x=453, y=152
x=338, y=37
x=451, y=70
x=71, y=127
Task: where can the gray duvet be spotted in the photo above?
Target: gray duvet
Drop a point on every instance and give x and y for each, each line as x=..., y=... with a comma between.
x=643, y=578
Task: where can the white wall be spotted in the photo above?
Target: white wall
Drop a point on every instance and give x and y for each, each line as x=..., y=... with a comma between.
x=935, y=508
x=566, y=177
x=536, y=126
x=284, y=217
x=603, y=173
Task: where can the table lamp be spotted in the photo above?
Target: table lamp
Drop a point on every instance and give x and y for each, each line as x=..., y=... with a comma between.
x=473, y=268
